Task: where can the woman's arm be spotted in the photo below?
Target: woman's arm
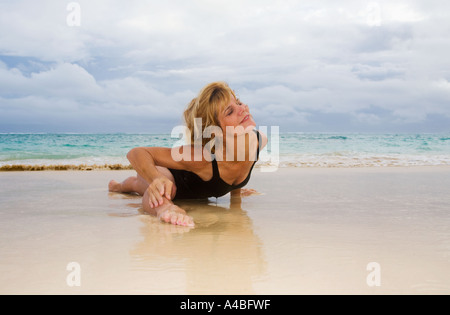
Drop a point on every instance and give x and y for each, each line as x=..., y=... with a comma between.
x=145, y=159
x=143, y=163
x=235, y=198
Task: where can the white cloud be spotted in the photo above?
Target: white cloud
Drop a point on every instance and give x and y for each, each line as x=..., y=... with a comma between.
x=67, y=92
x=301, y=60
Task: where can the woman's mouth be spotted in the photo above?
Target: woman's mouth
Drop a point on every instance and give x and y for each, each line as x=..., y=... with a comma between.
x=245, y=119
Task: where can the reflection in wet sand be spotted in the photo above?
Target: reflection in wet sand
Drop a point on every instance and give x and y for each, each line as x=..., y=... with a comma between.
x=221, y=255
x=318, y=240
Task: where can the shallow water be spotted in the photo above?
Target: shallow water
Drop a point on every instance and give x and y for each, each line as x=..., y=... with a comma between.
x=311, y=231
x=48, y=151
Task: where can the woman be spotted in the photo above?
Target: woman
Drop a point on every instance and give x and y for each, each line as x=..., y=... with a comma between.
x=211, y=165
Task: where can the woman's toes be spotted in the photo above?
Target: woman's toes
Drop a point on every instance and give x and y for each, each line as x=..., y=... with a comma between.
x=114, y=186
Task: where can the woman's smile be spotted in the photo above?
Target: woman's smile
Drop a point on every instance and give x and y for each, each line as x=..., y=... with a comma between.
x=245, y=118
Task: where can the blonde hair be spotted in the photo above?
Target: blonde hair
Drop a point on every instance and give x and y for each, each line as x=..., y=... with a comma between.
x=211, y=100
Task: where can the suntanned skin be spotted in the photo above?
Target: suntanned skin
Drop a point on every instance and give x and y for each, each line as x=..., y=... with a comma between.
x=156, y=184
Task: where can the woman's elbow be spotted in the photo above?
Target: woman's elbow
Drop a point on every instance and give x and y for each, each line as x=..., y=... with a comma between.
x=131, y=156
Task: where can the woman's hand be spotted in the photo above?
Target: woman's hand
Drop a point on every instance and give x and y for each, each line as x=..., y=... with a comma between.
x=244, y=192
x=249, y=192
x=159, y=188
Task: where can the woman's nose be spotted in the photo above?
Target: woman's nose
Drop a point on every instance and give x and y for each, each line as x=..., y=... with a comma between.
x=242, y=109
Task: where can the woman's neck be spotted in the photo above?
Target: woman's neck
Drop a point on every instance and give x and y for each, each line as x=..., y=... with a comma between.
x=234, y=147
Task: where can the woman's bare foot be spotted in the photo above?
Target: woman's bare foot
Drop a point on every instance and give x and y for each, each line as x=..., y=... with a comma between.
x=114, y=186
x=167, y=212
x=175, y=215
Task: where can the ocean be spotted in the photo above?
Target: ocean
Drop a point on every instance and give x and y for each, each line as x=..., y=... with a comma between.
x=108, y=151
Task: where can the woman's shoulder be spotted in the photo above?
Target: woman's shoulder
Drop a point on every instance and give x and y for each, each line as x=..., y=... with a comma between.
x=198, y=158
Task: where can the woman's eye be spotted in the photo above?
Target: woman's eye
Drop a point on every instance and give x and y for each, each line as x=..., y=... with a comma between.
x=230, y=112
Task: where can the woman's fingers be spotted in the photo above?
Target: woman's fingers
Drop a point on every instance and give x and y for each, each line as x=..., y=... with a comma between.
x=245, y=192
x=155, y=196
x=162, y=188
x=153, y=201
x=159, y=187
x=168, y=189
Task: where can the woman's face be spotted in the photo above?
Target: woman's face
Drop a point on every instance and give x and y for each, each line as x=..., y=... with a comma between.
x=236, y=114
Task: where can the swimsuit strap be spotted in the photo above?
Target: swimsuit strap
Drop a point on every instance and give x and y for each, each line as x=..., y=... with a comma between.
x=258, y=135
x=215, y=167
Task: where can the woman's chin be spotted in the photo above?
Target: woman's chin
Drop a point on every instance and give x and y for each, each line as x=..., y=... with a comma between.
x=249, y=123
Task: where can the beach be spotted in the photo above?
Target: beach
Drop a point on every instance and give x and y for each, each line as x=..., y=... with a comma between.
x=344, y=108
x=365, y=230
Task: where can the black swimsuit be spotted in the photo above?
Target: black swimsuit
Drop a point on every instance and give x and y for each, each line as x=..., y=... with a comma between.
x=191, y=186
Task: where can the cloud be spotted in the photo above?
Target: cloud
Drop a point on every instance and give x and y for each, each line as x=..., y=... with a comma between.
x=67, y=95
x=133, y=66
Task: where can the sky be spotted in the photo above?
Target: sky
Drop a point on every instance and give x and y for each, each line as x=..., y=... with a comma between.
x=305, y=66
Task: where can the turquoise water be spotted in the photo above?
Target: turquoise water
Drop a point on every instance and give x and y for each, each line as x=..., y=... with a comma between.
x=285, y=149
x=300, y=149
x=44, y=149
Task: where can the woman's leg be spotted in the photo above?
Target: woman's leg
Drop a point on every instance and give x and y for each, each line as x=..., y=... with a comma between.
x=130, y=185
x=137, y=184
x=167, y=212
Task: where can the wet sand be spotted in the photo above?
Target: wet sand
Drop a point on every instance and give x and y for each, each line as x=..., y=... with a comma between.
x=311, y=231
